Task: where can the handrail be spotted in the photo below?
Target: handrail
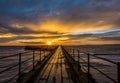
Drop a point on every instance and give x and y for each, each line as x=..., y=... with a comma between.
x=12, y=55
x=104, y=59
x=14, y=62
x=98, y=57
x=13, y=66
x=8, y=68
x=103, y=74
x=106, y=54
x=8, y=56
x=21, y=57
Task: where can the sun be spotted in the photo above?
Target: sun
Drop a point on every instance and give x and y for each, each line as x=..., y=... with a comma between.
x=49, y=43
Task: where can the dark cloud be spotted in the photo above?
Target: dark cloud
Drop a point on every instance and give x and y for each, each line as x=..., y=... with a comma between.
x=96, y=12
x=33, y=42
x=6, y=40
x=90, y=12
x=14, y=38
x=33, y=11
x=117, y=22
x=4, y=29
x=108, y=35
x=79, y=36
x=110, y=38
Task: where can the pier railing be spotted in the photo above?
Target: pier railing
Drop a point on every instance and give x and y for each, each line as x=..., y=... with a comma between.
x=20, y=64
x=77, y=56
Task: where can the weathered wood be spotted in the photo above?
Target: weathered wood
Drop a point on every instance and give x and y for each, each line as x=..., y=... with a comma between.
x=78, y=76
x=28, y=77
x=58, y=67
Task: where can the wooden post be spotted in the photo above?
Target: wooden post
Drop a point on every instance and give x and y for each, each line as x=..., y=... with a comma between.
x=118, y=72
x=19, y=73
x=73, y=53
x=44, y=53
x=40, y=56
x=78, y=59
x=88, y=68
x=33, y=60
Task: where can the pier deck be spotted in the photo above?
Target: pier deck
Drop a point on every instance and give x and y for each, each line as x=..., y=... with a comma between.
x=56, y=70
x=57, y=65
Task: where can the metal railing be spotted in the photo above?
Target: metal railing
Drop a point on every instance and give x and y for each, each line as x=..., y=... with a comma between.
x=22, y=58
x=89, y=65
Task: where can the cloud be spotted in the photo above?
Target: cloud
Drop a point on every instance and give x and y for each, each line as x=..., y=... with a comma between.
x=78, y=15
x=85, y=37
x=4, y=29
x=110, y=38
x=25, y=39
x=25, y=42
x=33, y=11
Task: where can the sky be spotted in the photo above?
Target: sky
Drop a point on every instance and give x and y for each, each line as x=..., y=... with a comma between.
x=66, y=22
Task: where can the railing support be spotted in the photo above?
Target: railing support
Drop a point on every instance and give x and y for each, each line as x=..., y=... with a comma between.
x=73, y=53
x=33, y=60
x=44, y=53
x=19, y=73
x=78, y=59
x=118, y=71
x=40, y=56
x=54, y=79
x=88, y=68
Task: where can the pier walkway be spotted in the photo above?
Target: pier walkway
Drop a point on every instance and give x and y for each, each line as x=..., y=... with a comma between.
x=54, y=64
x=61, y=68
x=56, y=70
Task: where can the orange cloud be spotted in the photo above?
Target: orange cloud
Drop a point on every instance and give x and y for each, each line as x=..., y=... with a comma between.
x=55, y=25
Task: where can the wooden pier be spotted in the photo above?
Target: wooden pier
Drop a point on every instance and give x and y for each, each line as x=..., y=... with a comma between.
x=55, y=65
x=59, y=68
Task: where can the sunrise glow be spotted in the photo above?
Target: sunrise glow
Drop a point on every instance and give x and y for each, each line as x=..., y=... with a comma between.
x=49, y=43
x=64, y=22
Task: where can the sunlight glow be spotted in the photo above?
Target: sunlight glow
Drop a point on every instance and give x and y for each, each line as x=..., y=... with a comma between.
x=49, y=43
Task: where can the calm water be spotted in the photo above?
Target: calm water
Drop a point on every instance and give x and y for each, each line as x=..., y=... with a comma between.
x=109, y=68
x=8, y=62
x=106, y=67
x=6, y=77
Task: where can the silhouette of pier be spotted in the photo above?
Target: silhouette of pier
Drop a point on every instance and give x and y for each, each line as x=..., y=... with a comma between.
x=56, y=65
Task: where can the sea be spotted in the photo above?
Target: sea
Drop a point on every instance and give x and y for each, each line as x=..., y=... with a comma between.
x=112, y=53
x=108, y=68
x=11, y=54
